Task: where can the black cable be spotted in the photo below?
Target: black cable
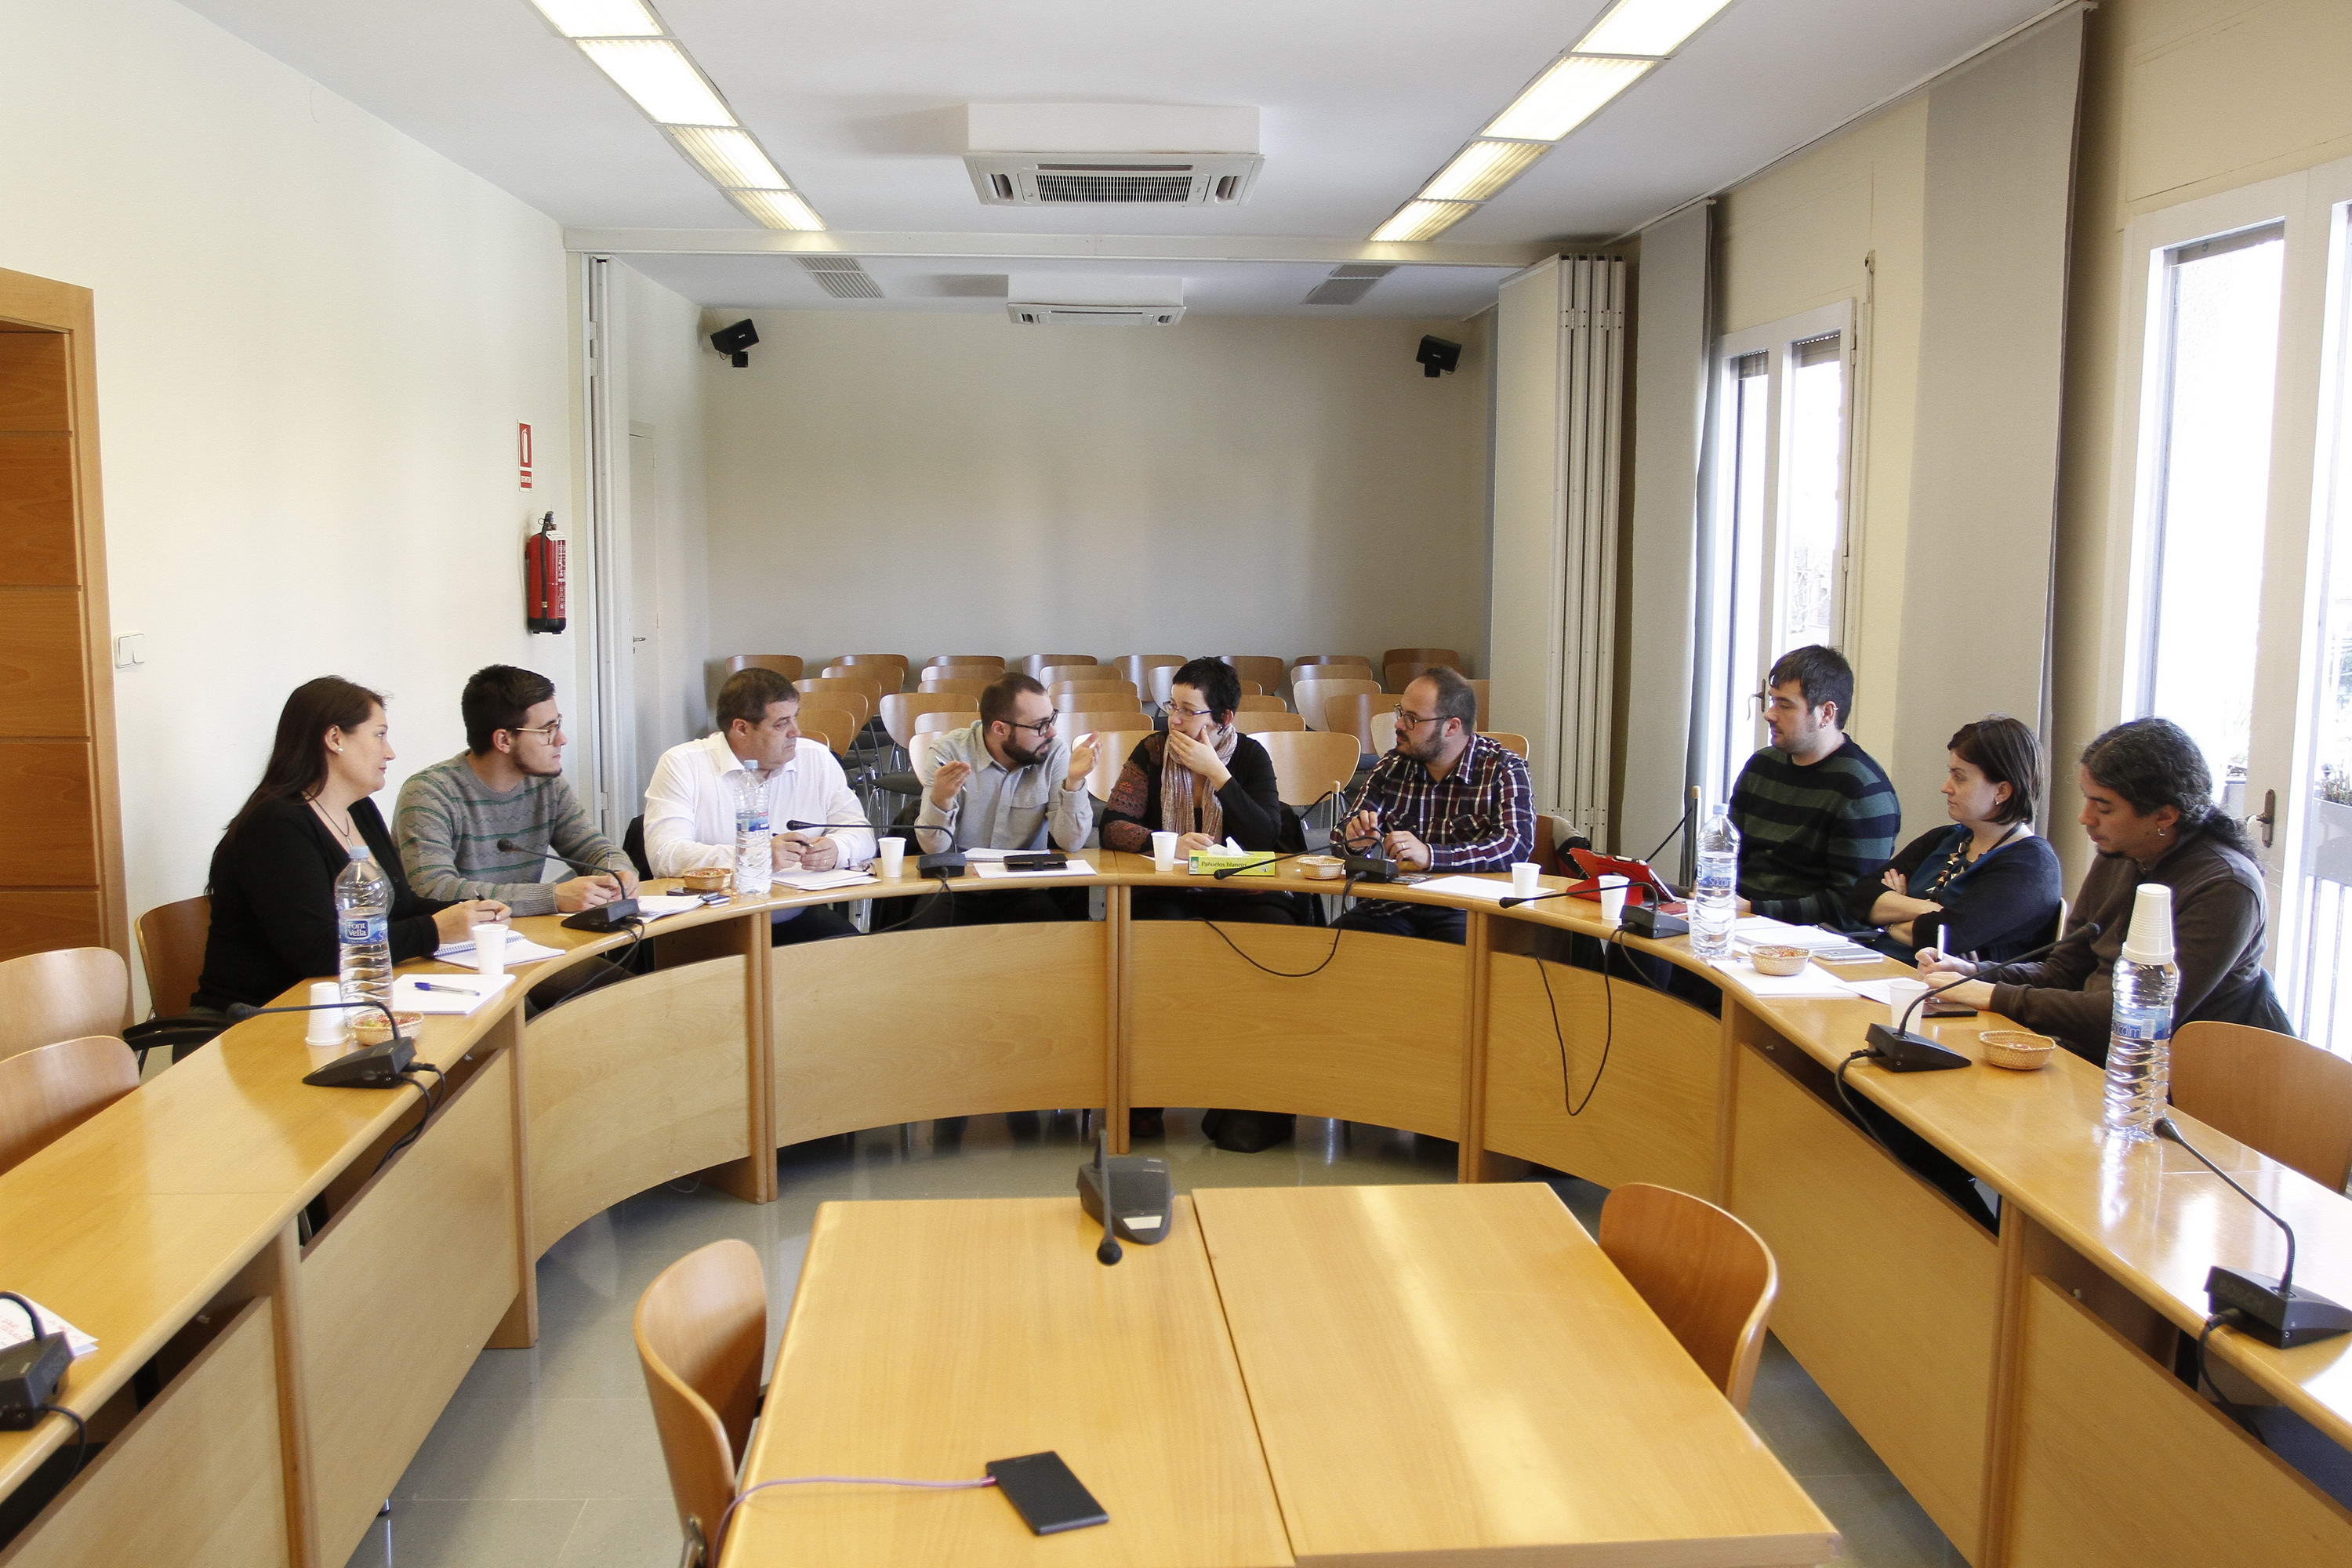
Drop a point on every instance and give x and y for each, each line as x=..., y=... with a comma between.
x=2200, y=1383
x=2245, y=1418
x=1559, y=1037
x=82, y=1438
x=32, y=1313
x=411, y=1136
x=1339, y=930
x=1854, y=1108
x=621, y=970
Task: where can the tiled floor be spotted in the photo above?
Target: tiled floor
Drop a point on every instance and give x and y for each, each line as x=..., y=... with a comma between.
x=547, y=1456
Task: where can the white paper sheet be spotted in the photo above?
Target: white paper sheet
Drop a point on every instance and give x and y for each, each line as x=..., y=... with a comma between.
x=15, y=1330
x=819, y=881
x=652, y=906
x=995, y=872
x=1470, y=887
x=521, y=949
x=1811, y=981
x=452, y=994
x=1753, y=928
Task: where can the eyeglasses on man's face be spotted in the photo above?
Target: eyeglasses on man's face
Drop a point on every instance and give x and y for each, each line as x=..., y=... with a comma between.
x=1405, y=721
x=1040, y=728
x=546, y=731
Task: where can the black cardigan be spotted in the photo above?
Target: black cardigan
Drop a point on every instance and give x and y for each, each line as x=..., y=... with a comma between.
x=2006, y=903
x=273, y=893
x=1252, y=804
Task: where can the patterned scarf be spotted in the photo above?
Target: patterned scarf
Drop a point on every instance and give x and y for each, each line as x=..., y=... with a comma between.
x=1184, y=806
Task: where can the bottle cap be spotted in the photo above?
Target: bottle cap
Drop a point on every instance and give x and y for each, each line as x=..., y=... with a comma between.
x=2150, y=938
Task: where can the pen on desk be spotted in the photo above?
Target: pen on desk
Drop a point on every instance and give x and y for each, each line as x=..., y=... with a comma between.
x=453, y=990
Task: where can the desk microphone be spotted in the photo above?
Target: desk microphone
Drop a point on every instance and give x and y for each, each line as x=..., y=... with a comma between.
x=1134, y=1197
x=614, y=916
x=2273, y=1311
x=946, y=860
x=1899, y=1051
x=372, y=1067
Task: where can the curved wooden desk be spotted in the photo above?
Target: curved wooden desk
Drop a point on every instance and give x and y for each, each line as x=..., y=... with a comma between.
x=2018, y=1385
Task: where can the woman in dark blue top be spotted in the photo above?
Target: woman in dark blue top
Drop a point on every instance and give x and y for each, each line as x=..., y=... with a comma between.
x=1982, y=883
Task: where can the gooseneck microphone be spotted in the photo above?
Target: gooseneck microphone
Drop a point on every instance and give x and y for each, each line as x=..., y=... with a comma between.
x=1289, y=855
x=1899, y=1051
x=947, y=859
x=1108, y=1252
x=609, y=917
x=2273, y=1311
x=373, y=1067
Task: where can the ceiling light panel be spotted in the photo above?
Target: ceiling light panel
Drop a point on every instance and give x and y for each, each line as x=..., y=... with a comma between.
x=732, y=159
x=601, y=18
x=1423, y=220
x=1575, y=88
x=1481, y=169
x=778, y=209
x=1648, y=26
x=657, y=74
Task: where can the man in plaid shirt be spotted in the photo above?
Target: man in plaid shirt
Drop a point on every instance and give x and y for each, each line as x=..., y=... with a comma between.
x=1446, y=799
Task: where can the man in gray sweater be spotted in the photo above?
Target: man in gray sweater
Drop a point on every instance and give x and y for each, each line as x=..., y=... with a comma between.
x=507, y=784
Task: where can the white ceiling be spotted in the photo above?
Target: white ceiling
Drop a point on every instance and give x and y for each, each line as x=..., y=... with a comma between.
x=860, y=105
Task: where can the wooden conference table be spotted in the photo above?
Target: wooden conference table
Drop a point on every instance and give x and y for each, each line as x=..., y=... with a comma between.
x=2019, y=1386
x=1296, y=1374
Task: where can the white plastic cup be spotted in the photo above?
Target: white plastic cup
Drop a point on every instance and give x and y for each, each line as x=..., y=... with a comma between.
x=1527, y=878
x=1900, y=994
x=892, y=854
x=327, y=1028
x=490, y=947
x=1613, y=899
x=1163, y=852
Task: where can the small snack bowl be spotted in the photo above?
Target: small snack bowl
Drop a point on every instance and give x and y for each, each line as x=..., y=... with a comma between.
x=709, y=879
x=2016, y=1049
x=1322, y=867
x=370, y=1028
x=1771, y=959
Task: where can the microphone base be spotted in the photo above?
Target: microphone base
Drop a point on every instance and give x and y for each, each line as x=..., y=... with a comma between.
x=376, y=1067
x=1899, y=1051
x=1143, y=1197
x=2285, y=1319
x=1643, y=920
x=614, y=916
x=947, y=860
x=1373, y=868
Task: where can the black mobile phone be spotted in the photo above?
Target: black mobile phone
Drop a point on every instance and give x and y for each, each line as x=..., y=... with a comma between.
x=1047, y=1497
x=1937, y=1007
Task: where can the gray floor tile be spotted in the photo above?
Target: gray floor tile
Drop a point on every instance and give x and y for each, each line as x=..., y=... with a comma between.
x=468, y=1533
x=1800, y=1426
x=617, y=1533
x=1882, y=1526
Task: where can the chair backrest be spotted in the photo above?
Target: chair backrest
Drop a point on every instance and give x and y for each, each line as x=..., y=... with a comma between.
x=1707, y=1276
x=836, y=726
x=1310, y=696
x=1551, y=832
x=1421, y=656
x=1108, y=693
x=1138, y=666
x=1263, y=668
x=939, y=721
x=968, y=663
x=787, y=665
x=172, y=952
x=864, y=686
x=1055, y=675
x=856, y=698
x=701, y=1330
x=967, y=687
x=1307, y=762
x=1261, y=702
x=1333, y=669
x=891, y=667
x=1266, y=720
x=47, y=1091
x=63, y=994
x=1384, y=729
x=1112, y=748
x=1350, y=714
x=920, y=749
x=1331, y=658
x=1069, y=724
x=900, y=707
x=1031, y=664
x=1163, y=680
x=1515, y=744
x=2270, y=1091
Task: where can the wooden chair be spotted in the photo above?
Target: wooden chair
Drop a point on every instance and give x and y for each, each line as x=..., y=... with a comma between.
x=1424, y=656
x=1108, y=693
x=2270, y=1091
x=1707, y=1276
x=1033, y=665
x=1263, y=668
x=1308, y=697
x=1383, y=730
x=784, y=664
x=1261, y=702
x=918, y=750
x=701, y=1329
x=901, y=708
x=863, y=686
x=967, y=687
x=1112, y=748
x=1333, y=669
x=47, y=1091
x=1163, y=679
x=1138, y=666
x=939, y=721
x=1266, y=721
x=1350, y=714
x=63, y=994
x=837, y=727
x=1071, y=723
x=1515, y=744
x=891, y=667
x=171, y=953
x=1305, y=658
x=1307, y=763
x=1552, y=831
x=1055, y=675
x=991, y=664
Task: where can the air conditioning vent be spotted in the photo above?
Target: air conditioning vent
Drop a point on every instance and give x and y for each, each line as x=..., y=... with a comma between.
x=841, y=276
x=1161, y=179
x=1028, y=313
x=1347, y=284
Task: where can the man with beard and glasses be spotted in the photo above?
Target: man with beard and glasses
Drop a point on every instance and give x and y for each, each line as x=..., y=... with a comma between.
x=1446, y=799
x=1007, y=782
x=1816, y=815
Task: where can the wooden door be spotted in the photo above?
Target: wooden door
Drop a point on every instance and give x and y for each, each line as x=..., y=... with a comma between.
x=60, y=839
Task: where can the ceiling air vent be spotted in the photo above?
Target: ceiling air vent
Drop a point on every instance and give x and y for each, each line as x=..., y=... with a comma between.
x=841, y=276
x=1028, y=313
x=1347, y=285
x=1102, y=179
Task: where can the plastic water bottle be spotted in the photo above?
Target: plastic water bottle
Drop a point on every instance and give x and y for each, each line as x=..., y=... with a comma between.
x=2139, y=1038
x=363, y=929
x=755, y=863
x=1715, y=897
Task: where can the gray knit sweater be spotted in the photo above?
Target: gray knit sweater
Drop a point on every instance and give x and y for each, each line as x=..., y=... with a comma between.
x=449, y=824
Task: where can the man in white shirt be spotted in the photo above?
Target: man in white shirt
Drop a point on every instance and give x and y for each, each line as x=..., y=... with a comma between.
x=690, y=806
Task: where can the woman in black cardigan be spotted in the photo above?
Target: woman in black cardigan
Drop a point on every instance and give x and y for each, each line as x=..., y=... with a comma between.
x=1982, y=882
x=273, y=876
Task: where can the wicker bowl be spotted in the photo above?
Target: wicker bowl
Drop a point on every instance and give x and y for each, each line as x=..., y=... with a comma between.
x=2016, y=1049
x=1322, y=867
x=1772, y=959
x=368, y=1027
x=707, y=879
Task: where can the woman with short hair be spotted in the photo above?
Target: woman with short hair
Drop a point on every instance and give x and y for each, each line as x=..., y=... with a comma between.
x=1982, y=883
x=2147, y=806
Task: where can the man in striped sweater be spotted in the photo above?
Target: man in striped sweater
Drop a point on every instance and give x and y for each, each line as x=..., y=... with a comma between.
x=1815, y=813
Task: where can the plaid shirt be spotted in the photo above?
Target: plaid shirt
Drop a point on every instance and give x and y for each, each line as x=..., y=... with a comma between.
x=1479, y=818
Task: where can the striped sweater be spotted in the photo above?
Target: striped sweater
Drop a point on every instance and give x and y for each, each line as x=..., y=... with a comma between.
x=449, y=824
x=1807, y=835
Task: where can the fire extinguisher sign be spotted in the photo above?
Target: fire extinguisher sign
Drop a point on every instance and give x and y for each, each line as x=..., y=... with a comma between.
x=522, y=445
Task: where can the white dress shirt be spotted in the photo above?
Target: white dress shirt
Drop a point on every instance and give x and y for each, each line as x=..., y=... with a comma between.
x=690, y=806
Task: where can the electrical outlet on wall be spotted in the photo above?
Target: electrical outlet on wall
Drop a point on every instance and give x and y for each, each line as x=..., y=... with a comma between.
x=129, y=650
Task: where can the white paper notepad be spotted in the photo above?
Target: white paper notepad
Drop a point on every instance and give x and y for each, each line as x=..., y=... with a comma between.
x=997, y=871
x=1811, y=981
x=451, y=995
x=521, y=949
x=15, y=1330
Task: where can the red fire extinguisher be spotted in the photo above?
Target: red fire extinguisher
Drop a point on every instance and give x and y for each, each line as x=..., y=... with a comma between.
x=543, y=551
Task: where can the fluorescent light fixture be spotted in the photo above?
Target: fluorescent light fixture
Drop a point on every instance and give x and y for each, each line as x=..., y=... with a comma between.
x=777, y=209
x=732, y=159
x=601, y=18
x=657, y=75
x=1424, y=220
x=1648, y=26
x=1573, y=90
x=1481, y=169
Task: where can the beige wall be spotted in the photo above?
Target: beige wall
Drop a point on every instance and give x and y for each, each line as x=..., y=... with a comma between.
x=923, y=483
